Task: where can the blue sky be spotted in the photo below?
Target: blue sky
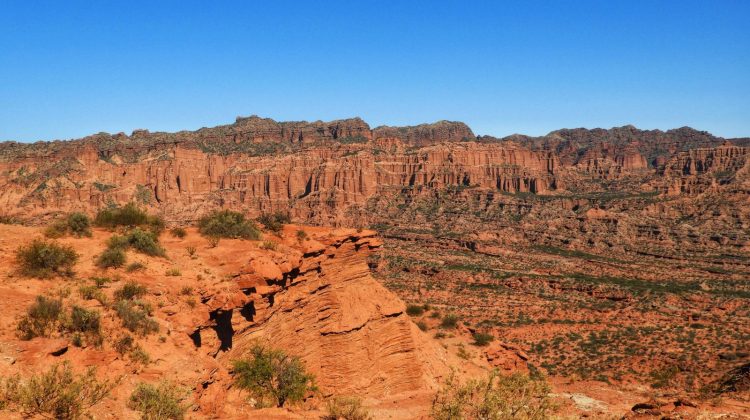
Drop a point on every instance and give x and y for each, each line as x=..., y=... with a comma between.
x=68, y=69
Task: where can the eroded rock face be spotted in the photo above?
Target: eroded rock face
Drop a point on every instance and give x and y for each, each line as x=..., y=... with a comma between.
x=322, y=304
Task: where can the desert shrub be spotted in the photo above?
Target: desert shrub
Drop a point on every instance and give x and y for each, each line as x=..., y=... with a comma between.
x=92, y=292
x=422, y=326
x=228, y=224
x=118, y=242
x=43, y=258
x=58, y=393
x=190, y=250
x=139, y=355
x=57, y=229
x=268, y=245
x=124, y=344
x=449, y=321
x=101, y=282
x=174, y=271
x=482, y=339
x=213, y=241
x=498, y=397
x=111, y=258
x=135, y=266
x=275, y=221
x=145, y=241
x=79, y=224
x=85, y=322
x=345, y=408
x=178, y=232
x=415, y=310
x=41, y=318
x=301, y=235
x=272, y=377
x=9, y=220
x=130, y=290
x=128, y=215
x=135, y=318
x=158, y=402
x=186, y=290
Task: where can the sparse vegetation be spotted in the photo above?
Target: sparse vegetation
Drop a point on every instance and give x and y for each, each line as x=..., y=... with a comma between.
x=498, y=397
x=301, y=236
x=162, y=402
x=135, y=266
x=77, y=224
x=268, y=245
x=449, y=321
x=57, y=393
x=43, y=259
x=111, y=258
x=415, y=310
x=190, y=250
x=174, y=272
x=130, y=290
x=41, y=318
x=135, y=317
x=228, y=224
x=272, y=377
x=274, y=221
x=85, y=322
x=128, y=215
x=178, y=232
x=482, y=339
x=345, y=408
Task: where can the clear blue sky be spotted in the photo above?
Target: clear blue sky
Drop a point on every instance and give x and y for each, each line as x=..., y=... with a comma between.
x=72, y=68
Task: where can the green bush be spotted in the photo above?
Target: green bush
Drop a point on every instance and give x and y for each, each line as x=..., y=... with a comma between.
x=158, y=402
x=128, y=215
x=58, y=393
x=449, y=321
x=44, y=258
x=77, y=224
x=178, y=232
x=482, y=339
x=275, y=222
x=498, y=397
x=41, y=318
x=228, y=224
x=92, y=292
x=57, y=229
x=124, y=344
x=346, y=408
x=84, y=322
x=301, y=235
x=111, y=258
x=130, y=290
x=414, y=310
x=145, y=242
x=135, y=318
x=272, y=377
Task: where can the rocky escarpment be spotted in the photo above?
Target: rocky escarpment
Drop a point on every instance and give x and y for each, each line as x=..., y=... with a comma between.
x=317, y=300
x=344, y=173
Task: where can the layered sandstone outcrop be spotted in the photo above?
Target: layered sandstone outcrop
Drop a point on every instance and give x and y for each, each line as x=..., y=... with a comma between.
x=320, y=303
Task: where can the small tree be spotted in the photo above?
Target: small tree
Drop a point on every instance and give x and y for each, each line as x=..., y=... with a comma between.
x=498, y=397
x=273, y=377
